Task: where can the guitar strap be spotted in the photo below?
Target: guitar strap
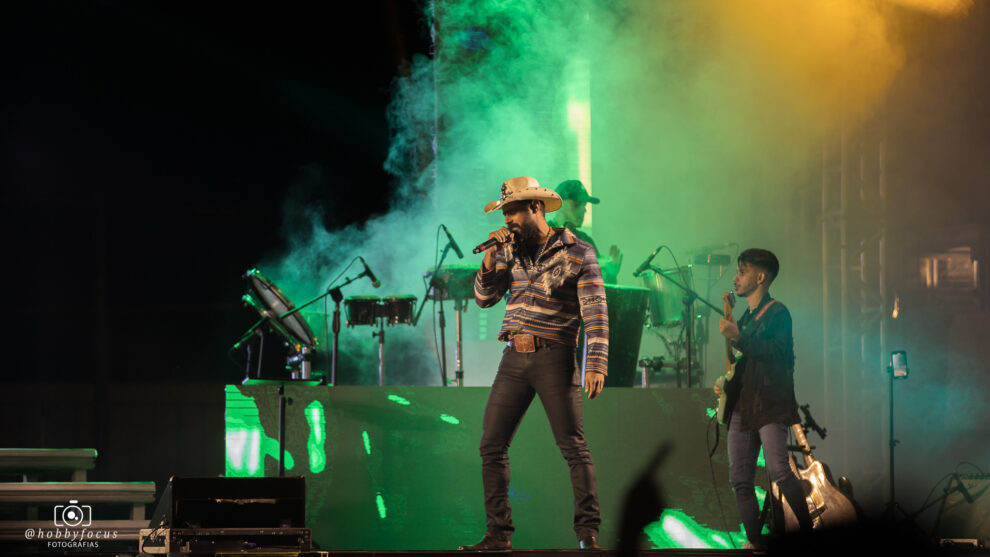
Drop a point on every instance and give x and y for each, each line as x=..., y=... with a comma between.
x=764, y=310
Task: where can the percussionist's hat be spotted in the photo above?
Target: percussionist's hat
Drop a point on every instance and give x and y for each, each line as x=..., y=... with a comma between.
x=524, y=188
x=574, y=189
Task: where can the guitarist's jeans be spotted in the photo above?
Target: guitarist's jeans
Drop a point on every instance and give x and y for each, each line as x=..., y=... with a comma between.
x=552, y=373
x=744, y=448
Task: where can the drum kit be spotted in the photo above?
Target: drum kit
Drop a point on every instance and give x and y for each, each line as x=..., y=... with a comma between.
x=658, y=306
x=279, y=315
x=673, y=316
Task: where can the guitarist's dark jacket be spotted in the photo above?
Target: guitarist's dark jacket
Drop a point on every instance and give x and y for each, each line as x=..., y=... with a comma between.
x=762, y=391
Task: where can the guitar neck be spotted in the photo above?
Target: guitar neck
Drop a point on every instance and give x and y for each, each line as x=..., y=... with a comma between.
x=728, y=302
x=802, y=441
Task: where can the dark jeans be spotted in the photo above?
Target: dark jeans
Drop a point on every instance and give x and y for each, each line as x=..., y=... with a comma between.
x=744, y=449
x=552, y=373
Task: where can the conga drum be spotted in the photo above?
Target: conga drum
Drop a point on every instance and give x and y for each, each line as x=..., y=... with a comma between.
x=399, y=310
x=626, y=315
x=362, y=310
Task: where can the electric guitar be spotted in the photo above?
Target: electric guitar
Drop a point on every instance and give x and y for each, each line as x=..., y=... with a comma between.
x=725, y=382
x=828, y=506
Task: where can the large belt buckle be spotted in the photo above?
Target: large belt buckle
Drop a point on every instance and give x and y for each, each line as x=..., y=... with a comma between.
x=524, y=343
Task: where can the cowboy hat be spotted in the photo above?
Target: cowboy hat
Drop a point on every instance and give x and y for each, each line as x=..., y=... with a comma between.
x=524, y=188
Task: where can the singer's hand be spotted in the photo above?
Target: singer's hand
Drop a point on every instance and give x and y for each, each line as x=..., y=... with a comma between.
x=502, y=235
x=593, y=383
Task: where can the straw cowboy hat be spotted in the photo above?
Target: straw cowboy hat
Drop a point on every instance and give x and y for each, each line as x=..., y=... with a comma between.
x=524, y=188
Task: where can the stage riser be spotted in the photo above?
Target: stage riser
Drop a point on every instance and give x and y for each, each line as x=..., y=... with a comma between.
x=397, y=468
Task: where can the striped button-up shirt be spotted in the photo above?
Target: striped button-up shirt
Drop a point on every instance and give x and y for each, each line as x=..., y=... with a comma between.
x=548, y=298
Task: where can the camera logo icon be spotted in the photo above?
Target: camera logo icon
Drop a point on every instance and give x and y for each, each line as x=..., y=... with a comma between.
x=73, y=514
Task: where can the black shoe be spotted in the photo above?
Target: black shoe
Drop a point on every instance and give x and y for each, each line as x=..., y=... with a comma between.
x=489, y=543
x=589, y=541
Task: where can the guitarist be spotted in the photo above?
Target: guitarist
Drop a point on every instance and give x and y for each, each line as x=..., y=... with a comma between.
x=760, y=406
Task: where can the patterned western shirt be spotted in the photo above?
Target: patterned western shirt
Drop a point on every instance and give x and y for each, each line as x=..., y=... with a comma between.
x=548, y=298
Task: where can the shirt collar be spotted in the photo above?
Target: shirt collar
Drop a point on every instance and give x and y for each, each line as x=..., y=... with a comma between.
x=766, y=300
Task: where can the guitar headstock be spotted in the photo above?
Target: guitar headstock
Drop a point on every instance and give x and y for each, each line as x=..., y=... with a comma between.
x=729, y=302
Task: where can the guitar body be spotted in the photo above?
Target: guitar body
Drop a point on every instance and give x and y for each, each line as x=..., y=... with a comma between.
x=828, y=506
x=730, y=393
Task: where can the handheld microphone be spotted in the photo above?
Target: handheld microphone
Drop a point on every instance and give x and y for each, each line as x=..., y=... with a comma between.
x=369, y=274
x=453, y=244
x=646, y=264
x=485, y=245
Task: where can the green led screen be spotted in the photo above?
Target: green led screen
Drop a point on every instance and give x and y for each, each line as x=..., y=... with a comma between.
x=397, y=468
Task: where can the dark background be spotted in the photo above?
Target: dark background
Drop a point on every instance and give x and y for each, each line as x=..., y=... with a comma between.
x=148, y=151
x=147, y=154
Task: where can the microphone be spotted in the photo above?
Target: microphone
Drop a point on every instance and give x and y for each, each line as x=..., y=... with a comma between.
x=485, y=245
x=453, y=244
x=646, y=264
x=369, y=274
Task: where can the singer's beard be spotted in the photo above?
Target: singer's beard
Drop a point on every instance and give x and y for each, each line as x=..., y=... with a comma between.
x=526, y=233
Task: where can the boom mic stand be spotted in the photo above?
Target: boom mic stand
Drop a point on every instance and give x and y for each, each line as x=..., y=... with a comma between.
x=441, y=291
x=336, y=296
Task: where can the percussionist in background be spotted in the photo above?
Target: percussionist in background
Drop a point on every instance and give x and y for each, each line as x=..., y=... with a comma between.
x=571, y=216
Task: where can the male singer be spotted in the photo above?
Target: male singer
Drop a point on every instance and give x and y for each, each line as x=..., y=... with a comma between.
x=553, y=282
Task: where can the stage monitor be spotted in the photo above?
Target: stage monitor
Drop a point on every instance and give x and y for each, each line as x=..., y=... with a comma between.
x=232, y=503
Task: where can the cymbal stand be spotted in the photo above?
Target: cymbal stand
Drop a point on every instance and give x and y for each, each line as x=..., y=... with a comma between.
x=336, y=296
x=381, y=350
x=443, y=333
x=261, y=351
x=459, y=307
x=689, y=325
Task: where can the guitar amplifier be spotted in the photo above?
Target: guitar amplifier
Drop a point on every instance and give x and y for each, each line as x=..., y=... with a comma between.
x=965, y=511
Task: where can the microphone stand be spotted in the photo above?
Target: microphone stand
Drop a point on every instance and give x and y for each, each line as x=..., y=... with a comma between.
x=689, y=298
x=441, y=291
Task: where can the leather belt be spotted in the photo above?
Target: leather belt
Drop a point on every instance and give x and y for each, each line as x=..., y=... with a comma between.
x=523, y=342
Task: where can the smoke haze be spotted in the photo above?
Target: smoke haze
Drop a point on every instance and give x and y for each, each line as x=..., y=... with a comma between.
x=696, y=123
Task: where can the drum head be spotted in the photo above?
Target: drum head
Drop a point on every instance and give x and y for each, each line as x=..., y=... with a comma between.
x=457, y=281
x=273, y=300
